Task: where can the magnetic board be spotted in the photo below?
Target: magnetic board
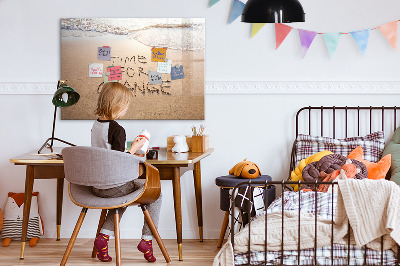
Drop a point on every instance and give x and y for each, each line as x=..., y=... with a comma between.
x=161, y=60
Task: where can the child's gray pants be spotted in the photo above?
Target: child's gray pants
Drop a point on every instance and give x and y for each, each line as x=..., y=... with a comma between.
x=154, y=208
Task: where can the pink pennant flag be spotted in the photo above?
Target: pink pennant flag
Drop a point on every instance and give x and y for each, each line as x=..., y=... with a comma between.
x=389, y=30
x=306, y=39
x=281, y=31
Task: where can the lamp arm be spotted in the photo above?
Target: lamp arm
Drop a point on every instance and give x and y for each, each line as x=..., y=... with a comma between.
x=54, y=126
x=54, y=118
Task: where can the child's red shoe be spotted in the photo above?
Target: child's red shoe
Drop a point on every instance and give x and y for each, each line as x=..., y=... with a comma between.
x=101, y=245
x=146, y=247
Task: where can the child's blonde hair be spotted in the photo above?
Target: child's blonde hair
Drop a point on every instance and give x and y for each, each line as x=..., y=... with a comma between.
x=113, y=98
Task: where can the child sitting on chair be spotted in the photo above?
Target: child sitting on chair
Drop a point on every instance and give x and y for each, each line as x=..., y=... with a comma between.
x=112, y=104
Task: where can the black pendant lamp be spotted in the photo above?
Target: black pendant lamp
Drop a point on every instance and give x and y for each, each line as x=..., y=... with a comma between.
x=273, y=11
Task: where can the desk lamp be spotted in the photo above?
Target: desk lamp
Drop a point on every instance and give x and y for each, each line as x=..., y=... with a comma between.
x=273, y=11
x=64, y=96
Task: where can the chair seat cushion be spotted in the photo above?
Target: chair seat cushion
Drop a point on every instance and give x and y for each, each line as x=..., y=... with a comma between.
x=83, y=195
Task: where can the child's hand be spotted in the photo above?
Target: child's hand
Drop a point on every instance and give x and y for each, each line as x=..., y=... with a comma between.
x=137, y=144
x=143, y=155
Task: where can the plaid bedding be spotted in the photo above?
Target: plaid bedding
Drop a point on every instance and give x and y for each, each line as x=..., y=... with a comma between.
x=372, y=145
x=306, y=202
x=324, y=257
x=323, y=207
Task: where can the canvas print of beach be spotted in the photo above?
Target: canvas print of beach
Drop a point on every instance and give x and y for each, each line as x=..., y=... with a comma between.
x=161, y=60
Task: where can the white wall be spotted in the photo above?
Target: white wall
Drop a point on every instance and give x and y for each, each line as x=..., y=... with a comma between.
x=259, y=127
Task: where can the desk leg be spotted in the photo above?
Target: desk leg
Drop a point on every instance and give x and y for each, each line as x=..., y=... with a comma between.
x=27, y=206
x=60, y=190
x=176, y=182
x=199, y=204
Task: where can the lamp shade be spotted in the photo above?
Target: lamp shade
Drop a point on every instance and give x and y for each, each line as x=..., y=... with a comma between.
x=65, y=96
x=273, y=11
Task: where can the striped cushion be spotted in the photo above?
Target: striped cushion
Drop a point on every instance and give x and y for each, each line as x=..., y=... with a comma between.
x=13, y=228
x=372, y=145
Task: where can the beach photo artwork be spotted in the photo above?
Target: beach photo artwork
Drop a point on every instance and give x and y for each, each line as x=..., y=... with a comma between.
x=161, y=60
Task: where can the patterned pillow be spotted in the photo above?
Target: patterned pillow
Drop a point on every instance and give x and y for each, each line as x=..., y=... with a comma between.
x=372, y=144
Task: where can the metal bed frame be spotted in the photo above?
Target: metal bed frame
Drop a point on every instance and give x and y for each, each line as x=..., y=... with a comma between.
x=283, y=184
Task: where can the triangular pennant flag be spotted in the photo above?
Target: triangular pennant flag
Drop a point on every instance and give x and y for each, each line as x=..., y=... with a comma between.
x=306, y=39
x=237, y=9
x=390, y=32
x=281, y=31
x=361, y=37
x=213, y=2
x=256, y=28
x=332, y=41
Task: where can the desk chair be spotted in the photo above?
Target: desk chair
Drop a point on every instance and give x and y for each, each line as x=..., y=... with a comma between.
x=85, y=167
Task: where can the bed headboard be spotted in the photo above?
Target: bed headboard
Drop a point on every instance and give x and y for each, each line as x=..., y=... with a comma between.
x=346, y=118
x=344, y=121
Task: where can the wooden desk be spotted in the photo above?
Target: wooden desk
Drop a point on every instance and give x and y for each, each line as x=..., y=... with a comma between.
x=168, y=163
x=40, y=167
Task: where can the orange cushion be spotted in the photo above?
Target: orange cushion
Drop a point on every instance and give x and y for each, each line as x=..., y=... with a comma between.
x=375, y=170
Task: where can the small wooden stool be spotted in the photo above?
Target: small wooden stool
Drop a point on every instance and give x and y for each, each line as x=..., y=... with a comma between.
x=226, y=183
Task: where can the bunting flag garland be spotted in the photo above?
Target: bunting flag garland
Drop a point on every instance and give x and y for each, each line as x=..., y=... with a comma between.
x=256, y=28
x=361, y=37
x=213, y=2
x=281, y=31
x=237, y=9
x=332, y=41
x=306, y=39
x=389, y=30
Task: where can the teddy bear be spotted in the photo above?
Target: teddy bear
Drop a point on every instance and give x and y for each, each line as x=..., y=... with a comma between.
x=13, y=215
x=180, y=144
x=245, y=169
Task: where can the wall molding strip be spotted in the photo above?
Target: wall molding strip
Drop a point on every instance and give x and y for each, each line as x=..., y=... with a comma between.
x=304, y=87
x=250, y=87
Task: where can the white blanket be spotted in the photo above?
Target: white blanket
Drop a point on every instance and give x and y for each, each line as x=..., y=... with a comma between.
x=373, y=209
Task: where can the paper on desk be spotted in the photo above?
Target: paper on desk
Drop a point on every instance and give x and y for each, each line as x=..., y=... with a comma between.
x=53, y=155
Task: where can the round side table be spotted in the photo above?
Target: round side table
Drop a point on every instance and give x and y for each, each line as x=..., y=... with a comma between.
x=228, y=182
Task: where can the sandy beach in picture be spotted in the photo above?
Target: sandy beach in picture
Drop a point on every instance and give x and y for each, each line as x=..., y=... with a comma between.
x=173, y=99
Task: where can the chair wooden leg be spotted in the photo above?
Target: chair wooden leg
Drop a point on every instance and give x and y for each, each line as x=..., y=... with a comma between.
x=101, y=222
x=154, y=230
x=73, y=237
x=117, y=238
x=223, y=229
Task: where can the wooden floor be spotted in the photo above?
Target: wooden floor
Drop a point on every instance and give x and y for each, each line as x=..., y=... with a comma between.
x=50, y=252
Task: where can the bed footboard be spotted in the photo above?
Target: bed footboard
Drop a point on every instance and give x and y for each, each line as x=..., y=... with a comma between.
x=311, y=255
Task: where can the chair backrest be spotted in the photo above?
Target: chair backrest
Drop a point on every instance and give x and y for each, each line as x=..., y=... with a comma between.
x=92, y=166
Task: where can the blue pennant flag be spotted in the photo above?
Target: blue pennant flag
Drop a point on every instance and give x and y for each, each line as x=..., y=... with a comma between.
x=213, y=2
x=332, y=41
x=361, y=38
x=237, y=9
